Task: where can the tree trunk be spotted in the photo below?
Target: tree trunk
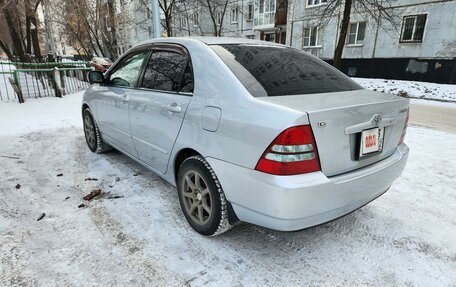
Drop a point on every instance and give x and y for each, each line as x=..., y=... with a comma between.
x=35, y=38
x=18, y=48
x=221, y=19
x=343, y=35
x=168, y=21
x=167, y=9
x=211, y=13
x=28, y=36
x=6, y=50
x=112, y=37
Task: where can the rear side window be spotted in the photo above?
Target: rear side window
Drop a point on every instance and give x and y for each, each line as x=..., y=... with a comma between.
x=168, y=71
x=281, y=71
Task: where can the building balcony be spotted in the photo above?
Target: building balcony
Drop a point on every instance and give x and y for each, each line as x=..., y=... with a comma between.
x=269, y=14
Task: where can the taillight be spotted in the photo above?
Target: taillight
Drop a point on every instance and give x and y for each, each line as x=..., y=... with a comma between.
x=292, y=152
x=404, y=131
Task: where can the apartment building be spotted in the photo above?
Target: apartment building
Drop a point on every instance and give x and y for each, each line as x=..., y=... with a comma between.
x=195, y=18
x=253, y=19
x=417, y=43
x=420, y=44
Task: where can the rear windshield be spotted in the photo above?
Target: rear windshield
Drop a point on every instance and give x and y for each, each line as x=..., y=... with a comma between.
x=268, y=71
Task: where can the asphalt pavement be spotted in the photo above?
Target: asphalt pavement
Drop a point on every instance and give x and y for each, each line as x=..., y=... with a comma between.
x=435, y=115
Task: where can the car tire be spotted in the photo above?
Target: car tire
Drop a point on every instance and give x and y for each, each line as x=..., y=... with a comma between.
x=92, y=133
x=202, y=198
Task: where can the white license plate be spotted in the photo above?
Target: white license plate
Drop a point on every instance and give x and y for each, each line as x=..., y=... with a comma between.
x=371, y=141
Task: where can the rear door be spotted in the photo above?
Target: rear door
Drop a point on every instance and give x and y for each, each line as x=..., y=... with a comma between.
x=113, y=101
x=158, y=107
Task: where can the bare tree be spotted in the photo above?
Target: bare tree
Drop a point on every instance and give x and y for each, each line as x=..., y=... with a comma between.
x=13, y=22
x=20, y=27
x=5, y=39
x=32, y=26
x=167, y=7
x=217, y=11
x=374, y=9
x=90, y=25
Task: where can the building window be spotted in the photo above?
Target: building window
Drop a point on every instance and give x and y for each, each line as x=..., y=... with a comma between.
x=195, y=19
x=311, y=37
x=250, y=37
x=356, y=33
x=182, y=22
x=316, y=2
x=234, y=14
x=264, y=12
x=357, y=4
x=413, y=28
x=249, y=12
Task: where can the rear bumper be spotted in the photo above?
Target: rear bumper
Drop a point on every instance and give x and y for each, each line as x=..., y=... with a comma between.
x=295, y=202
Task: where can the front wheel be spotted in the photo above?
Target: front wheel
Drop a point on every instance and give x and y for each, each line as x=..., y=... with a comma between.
x=92, y=133
x=201, y=197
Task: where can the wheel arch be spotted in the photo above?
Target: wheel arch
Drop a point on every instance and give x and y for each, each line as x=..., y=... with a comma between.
x=84, y=106
x=182, y=155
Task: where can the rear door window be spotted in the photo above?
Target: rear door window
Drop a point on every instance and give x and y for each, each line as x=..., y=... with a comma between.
x=281, y=71
x=168, y=71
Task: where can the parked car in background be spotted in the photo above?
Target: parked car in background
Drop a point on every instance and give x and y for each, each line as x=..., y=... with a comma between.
x=248, y=130
x=100, y=64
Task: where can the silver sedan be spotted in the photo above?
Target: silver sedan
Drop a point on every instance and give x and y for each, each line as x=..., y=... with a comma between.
x=248, y=130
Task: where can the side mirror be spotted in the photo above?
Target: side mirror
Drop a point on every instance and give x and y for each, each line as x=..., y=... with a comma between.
x=96, y=77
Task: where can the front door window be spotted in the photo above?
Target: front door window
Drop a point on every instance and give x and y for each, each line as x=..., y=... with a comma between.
x=126, y=72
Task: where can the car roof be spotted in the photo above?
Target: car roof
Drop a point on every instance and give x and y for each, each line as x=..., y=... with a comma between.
x=209, y=40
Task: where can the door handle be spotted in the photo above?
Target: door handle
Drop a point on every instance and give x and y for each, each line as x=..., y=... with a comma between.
x=174, y=108
x=125, y=98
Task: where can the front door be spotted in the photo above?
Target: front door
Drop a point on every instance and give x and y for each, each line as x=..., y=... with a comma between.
x=158, y=108
x=113, y=101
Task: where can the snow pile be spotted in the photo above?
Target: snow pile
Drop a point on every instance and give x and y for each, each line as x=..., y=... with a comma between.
x=40, y=114
x=412, y=89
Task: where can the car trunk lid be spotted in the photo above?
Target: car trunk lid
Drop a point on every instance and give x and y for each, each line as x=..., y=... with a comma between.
x=339, y=118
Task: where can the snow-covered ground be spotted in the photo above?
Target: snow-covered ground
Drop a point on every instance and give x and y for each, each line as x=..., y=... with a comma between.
x=404, y=238
x=412, y=89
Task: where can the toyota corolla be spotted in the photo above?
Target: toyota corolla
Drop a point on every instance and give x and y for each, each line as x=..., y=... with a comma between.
x=248, y=130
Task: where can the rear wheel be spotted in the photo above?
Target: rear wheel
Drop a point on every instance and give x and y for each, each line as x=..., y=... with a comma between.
x=201, y=197
x=92, y=133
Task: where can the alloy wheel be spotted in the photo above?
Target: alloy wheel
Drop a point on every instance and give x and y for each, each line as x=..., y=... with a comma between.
x=89, y=130
x=196, y=197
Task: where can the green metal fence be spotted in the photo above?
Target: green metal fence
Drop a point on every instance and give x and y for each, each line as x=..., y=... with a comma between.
x=20, y=81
